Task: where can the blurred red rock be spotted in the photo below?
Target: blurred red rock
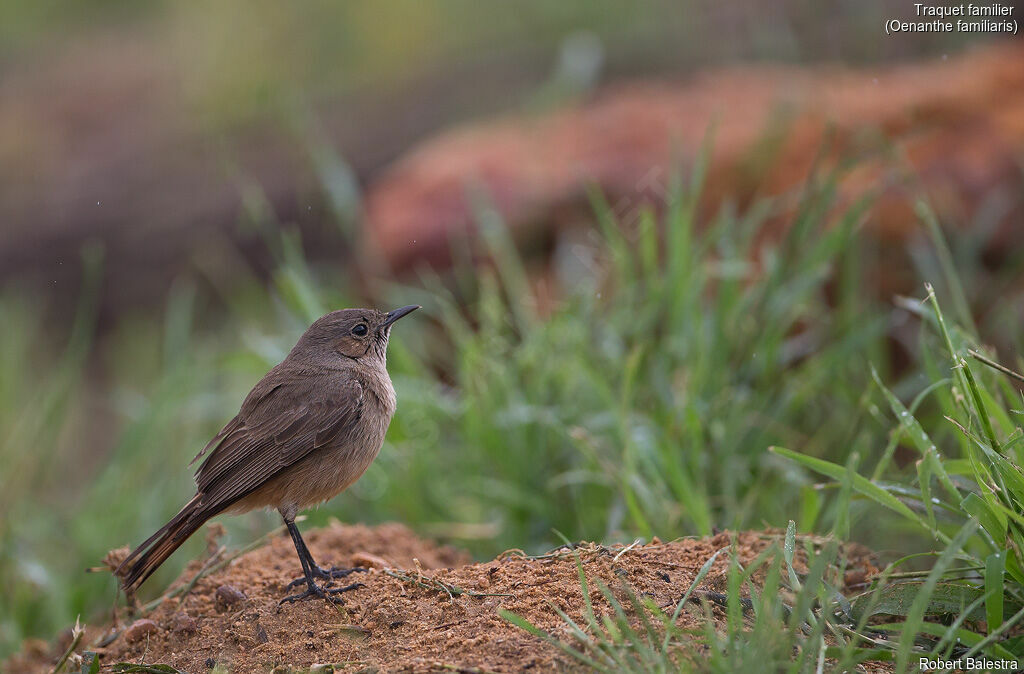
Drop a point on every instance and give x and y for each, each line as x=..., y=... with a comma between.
x=957, y=124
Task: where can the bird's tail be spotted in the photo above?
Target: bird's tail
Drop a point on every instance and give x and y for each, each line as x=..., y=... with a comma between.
x=144, y=560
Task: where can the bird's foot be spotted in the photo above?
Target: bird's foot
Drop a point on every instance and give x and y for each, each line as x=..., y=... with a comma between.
x=330, y=575
x=314, y=591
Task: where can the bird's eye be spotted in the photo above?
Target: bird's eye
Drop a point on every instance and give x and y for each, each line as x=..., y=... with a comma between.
x=360, y=330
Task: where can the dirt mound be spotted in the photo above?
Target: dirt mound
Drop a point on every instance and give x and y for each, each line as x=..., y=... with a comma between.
x=416, y=612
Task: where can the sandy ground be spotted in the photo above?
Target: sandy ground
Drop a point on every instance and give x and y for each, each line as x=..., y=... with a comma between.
x=402, y=619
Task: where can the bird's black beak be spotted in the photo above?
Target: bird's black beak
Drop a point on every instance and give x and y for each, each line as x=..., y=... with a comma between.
x=398, y=313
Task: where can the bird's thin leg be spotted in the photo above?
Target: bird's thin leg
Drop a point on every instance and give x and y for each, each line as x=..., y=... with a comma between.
x=311, y=570
x=306, y=557
x=300, y=547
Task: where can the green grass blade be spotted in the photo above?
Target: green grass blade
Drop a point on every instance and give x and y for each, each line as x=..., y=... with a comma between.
x=995, y=572
x=526, y=625
x=860, y=484
x=915, y=617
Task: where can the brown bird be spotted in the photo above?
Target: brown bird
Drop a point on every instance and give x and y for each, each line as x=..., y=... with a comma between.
x=309, y=429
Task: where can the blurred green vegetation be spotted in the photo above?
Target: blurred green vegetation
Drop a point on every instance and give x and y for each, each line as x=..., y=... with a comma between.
x=234, y=61
x=641, y=404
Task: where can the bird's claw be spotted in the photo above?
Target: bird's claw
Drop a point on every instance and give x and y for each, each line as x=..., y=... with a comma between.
x=314, y=591
x=330, y=575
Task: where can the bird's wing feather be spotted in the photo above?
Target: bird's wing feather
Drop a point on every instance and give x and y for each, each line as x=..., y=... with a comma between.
x=274, y=430
x=215, y=440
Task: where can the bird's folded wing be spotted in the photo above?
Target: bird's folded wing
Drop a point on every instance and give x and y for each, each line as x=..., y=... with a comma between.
x=273, y=431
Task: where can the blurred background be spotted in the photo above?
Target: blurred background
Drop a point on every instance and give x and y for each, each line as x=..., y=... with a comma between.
x=651, y=240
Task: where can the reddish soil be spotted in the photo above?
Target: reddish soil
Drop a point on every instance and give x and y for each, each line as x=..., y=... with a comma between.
x=952, y=128
x=401, y=620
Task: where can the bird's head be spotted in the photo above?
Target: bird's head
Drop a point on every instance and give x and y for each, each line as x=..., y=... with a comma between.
x=349, y=334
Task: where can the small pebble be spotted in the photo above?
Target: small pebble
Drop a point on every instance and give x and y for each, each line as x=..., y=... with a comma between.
x=227, y=597
x=182, y=623
x=368, y=561
x=855, y=577
x=140, y=629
